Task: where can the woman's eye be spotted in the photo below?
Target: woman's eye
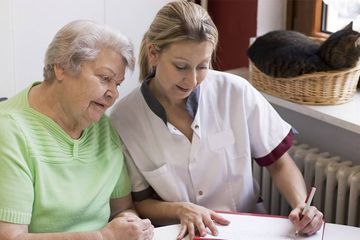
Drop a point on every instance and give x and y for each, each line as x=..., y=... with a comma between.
x=203, y=67
x=180, y=67
x=105, y=78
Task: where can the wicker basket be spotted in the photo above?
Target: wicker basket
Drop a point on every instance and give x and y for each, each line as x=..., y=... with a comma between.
x=321, y=88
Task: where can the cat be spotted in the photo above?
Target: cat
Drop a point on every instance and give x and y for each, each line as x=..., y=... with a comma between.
x=284, y=53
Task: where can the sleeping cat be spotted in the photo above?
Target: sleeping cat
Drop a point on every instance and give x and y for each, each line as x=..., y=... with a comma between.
x=288, y=53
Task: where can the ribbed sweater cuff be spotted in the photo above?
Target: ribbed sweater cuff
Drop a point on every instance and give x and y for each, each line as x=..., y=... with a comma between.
x=12, y=216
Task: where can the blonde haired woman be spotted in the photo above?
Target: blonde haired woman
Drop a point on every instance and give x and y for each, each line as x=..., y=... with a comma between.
x=61, y=165
x=191, y=132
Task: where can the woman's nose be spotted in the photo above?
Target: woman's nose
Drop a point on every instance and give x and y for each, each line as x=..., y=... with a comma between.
x=192, y=78
x=112, y=91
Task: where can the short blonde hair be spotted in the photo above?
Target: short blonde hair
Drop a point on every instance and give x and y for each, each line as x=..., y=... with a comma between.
x=80, y=41
x=176, y=21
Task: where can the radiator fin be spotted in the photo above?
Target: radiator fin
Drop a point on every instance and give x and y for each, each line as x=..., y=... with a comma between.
x=337, y=181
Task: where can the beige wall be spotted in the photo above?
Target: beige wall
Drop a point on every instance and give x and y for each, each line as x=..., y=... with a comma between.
x=27, y=27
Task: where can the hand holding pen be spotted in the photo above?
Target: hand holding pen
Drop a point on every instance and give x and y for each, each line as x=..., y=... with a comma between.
x=308, y=201
x=307, y=219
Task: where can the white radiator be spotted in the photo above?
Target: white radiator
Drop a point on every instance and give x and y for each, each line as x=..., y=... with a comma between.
x=337, y=182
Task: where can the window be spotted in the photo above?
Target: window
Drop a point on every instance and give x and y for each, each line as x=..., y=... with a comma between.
x=315, y=18
x=305, y=16
x=338, y=13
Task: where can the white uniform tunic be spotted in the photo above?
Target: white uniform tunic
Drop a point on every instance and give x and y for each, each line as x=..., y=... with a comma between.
x=232, y=124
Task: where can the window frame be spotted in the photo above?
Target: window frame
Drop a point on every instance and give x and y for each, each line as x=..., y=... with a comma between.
x=305, y=16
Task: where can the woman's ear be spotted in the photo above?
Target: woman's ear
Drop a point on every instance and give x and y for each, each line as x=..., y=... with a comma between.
x=59, y=72
x=152, y=55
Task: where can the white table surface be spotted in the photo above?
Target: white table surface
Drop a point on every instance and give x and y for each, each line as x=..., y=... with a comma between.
x=331, y=232
x=337, y=232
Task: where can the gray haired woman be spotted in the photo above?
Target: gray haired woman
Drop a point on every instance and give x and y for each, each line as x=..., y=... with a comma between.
x=62, y=169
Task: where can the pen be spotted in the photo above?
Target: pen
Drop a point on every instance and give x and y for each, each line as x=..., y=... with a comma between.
x=308, y=201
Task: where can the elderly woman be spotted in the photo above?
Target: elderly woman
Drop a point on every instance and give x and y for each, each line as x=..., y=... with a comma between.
x=61, y=165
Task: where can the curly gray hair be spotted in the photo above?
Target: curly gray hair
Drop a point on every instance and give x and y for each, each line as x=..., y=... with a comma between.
x=80, y=41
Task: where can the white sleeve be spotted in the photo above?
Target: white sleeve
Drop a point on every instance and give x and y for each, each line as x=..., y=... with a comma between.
x=138, y=181
x=266, y=128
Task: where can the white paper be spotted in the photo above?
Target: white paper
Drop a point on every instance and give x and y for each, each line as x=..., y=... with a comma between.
x=246, y=226
x=260, y=227
x=167, y=232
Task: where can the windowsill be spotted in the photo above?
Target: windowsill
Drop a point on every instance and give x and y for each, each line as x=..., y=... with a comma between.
x=345, y=115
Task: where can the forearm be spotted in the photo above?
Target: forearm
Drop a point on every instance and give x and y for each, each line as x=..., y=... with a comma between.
x=122, y=207
x=12, y=232
x=64, y=236
x=159, y=212
x=289, y=180
x=130, y=211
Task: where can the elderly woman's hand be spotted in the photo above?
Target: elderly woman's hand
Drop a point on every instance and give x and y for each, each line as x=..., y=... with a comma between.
x=308, y=223
x=128, y=227
x=193, y=217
